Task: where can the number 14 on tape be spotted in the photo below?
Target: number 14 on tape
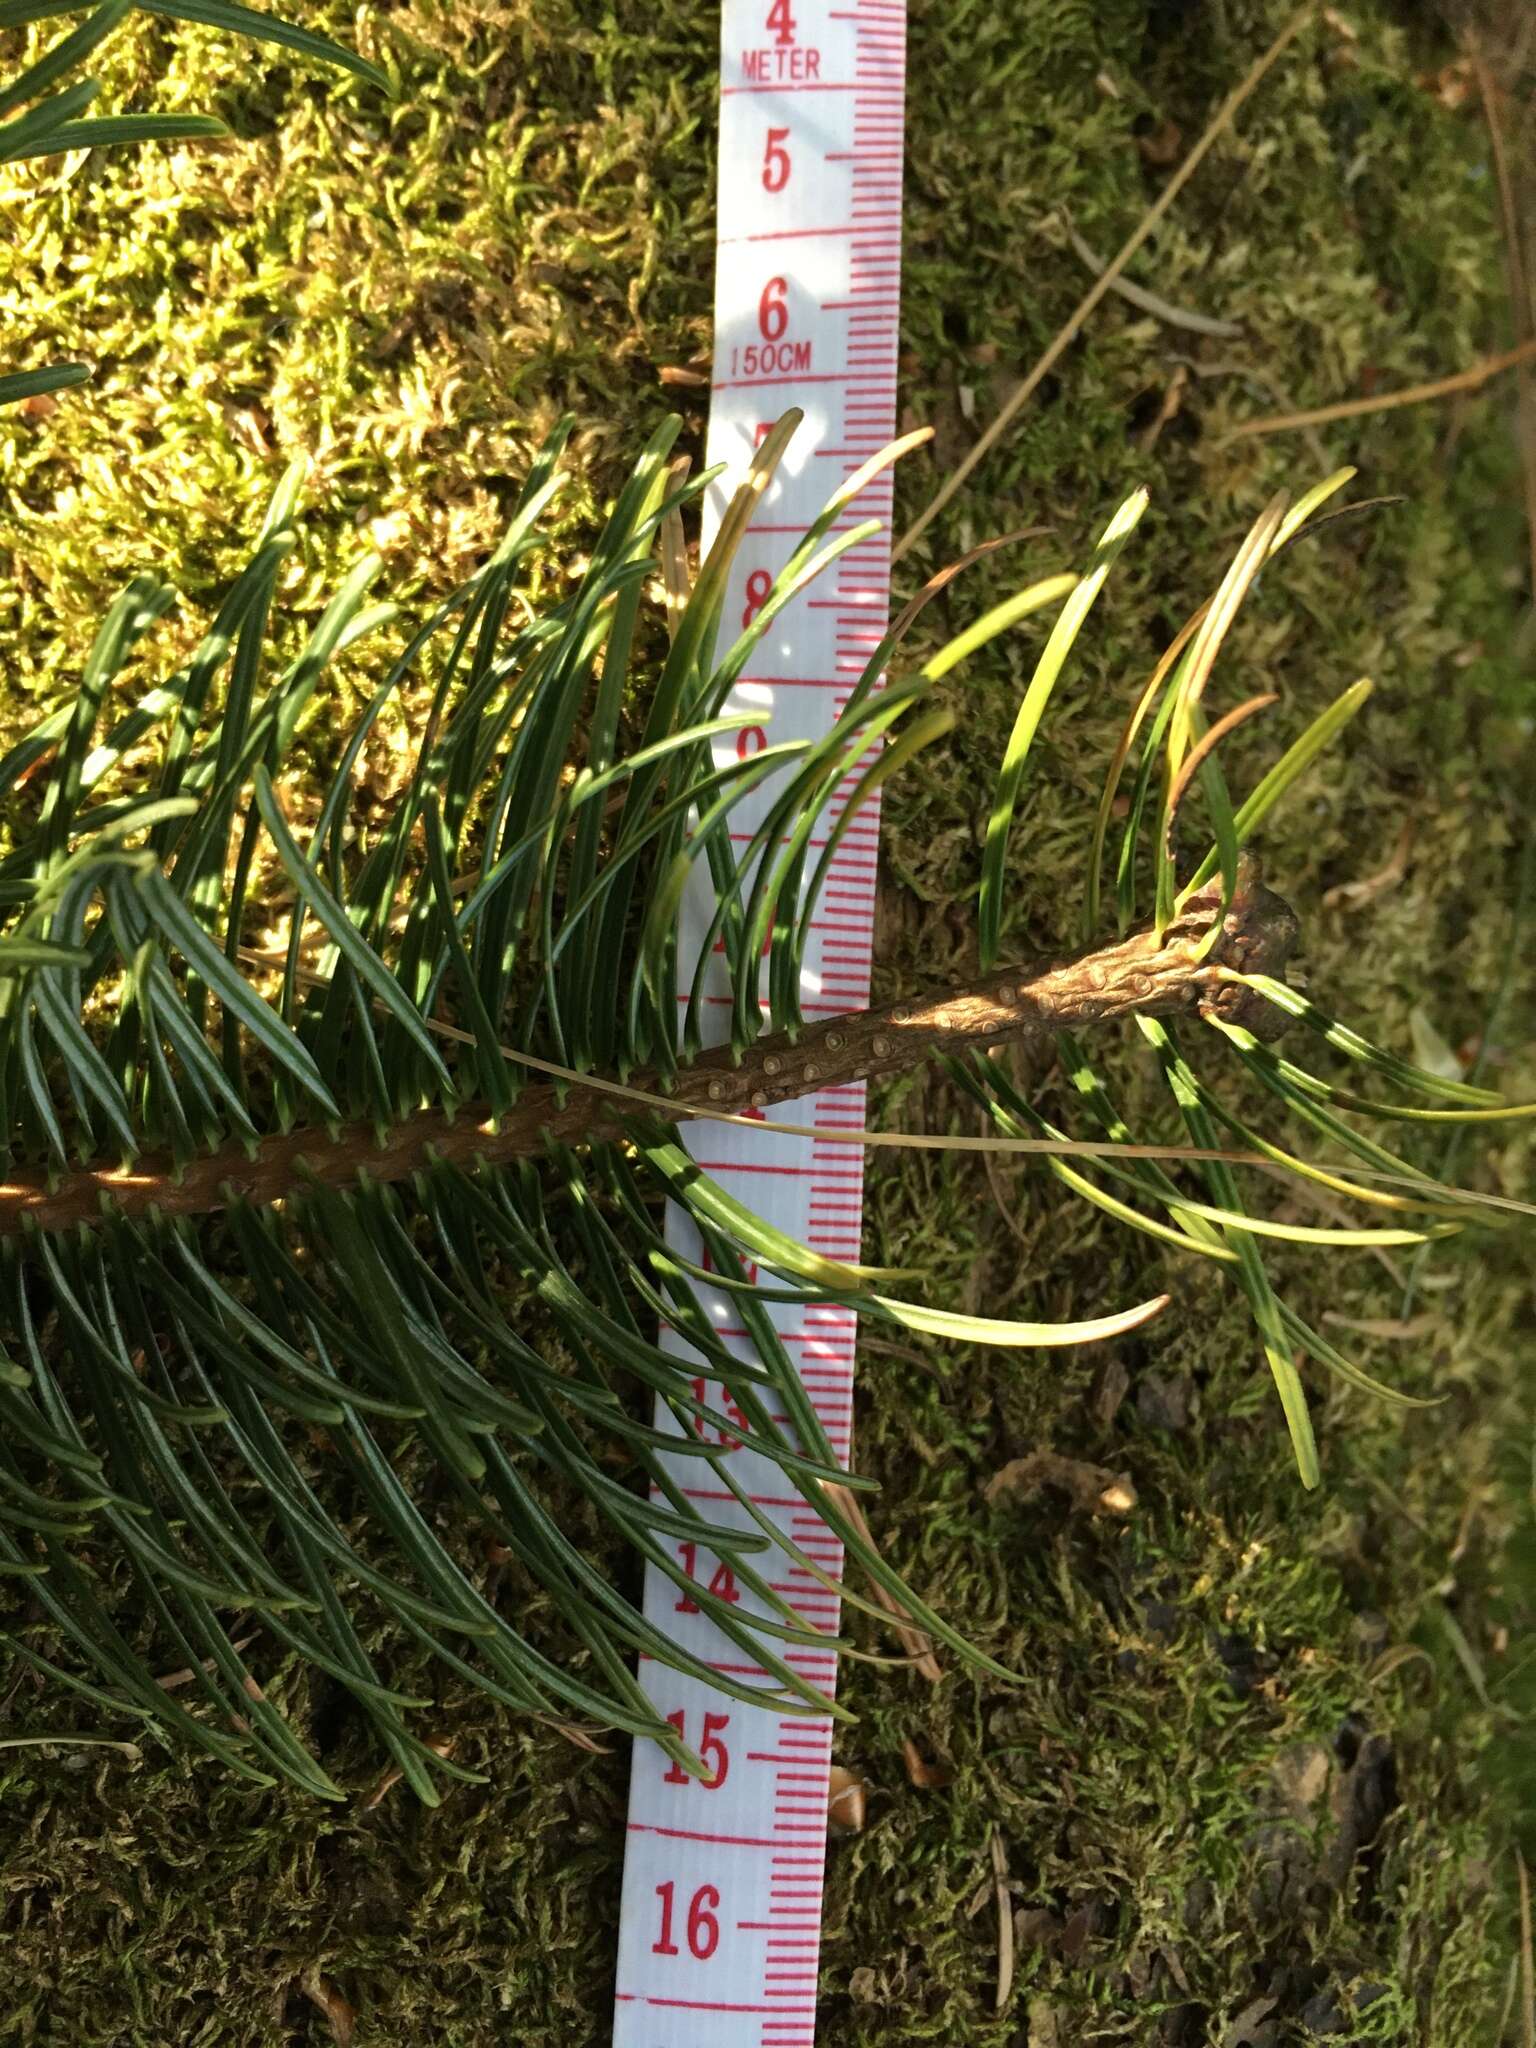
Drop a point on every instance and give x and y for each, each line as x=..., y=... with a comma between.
x=720, y=1923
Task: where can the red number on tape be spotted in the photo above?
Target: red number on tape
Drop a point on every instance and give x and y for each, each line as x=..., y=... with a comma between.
x=703, y=1927
x=773, y=309
x=776, y=161
x=759, y=583
x=722, y=1582
x=712, y=1751
x=727, y=1402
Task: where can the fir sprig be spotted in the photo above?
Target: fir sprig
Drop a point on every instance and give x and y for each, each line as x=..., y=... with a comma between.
x=300, y=1399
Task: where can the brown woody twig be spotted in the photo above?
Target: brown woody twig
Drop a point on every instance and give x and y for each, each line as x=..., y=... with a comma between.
x=1142, y=975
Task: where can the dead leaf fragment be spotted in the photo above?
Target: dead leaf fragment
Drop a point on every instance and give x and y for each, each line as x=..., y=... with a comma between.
x=173, y=1679
x=1454, y=85
x=1114, y=1382
x=1036, y=1927
x=390, y=1779
x=925, y=1776
x=1004, y=1921
x=1162, y=145
x=847, y=1800
x=1081, y=1925
x=1301, y=1775
x=1044, y=2024
x=1355, y=895
x=913, y=1640
x=1175, y=1964
x=252, y=425
x=339, y=2016
x=1092, y=1488
x=1168, y=411
x=1247, y=2020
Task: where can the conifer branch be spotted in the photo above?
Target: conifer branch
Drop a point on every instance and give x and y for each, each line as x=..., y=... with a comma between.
x=1143, y=975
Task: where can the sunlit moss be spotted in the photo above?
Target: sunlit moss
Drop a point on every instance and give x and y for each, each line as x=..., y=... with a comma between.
x=411, y=295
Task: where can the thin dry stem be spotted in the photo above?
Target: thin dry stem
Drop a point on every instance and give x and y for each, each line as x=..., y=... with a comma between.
x=1522, y=305
x=1527, y=1962
x=1471, y=379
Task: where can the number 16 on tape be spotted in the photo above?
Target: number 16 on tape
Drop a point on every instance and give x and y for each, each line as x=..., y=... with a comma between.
x=720, y=1922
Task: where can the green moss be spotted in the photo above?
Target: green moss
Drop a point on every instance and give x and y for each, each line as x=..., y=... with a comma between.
x=410, y=295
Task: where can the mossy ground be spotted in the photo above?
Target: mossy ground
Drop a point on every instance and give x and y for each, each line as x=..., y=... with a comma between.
x=1259, y=1779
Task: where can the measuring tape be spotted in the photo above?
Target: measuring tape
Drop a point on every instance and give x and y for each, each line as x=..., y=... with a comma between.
x=720, y=1927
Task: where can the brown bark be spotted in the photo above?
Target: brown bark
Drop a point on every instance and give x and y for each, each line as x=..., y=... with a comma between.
x=1139, y=975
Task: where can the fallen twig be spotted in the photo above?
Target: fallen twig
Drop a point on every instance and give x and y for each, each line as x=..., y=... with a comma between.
x=1142, y=975
x=1471, y=379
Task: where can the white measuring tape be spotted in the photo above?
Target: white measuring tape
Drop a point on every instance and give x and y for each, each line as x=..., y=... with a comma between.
x=720, y=1926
